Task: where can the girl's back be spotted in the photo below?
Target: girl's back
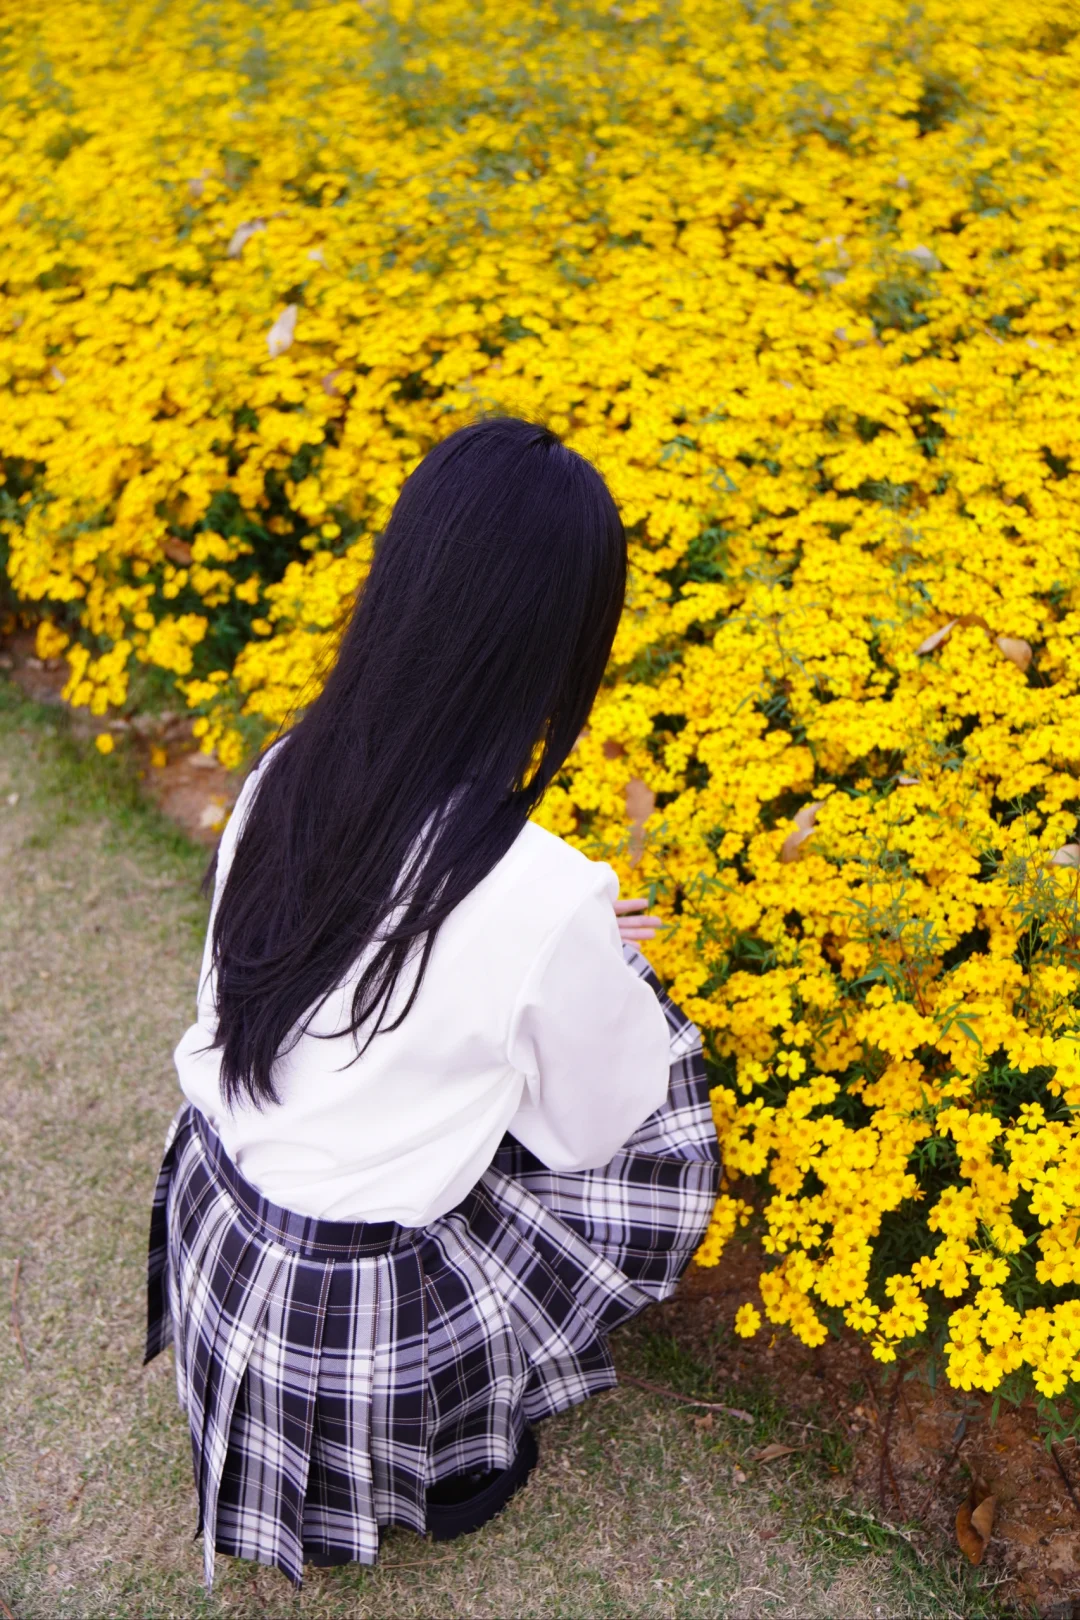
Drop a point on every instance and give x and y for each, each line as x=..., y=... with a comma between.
x=527, y=1020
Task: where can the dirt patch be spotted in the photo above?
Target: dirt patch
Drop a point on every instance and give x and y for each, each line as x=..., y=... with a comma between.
x=193, y=789
x=914, y=1448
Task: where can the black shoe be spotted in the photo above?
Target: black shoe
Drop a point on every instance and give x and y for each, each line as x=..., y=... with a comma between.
x=463, y=1502
x=327, y=1560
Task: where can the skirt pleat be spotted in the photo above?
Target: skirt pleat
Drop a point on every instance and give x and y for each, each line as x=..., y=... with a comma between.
x=332, y=1372
x=475, y=1362
x=264, y=1483
x=222, y=1325
x=344, y=1507
x=400, y=1395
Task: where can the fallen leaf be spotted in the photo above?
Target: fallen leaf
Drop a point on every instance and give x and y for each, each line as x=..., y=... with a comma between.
x=792, y=844
x=974, y=1524
x=908, y=781
x=178, y=551
x=242, y=235
x=640, y=804
x=281, y=334
x=738, y=1477
x=982, y=1520
x=212, y=815
x=936, y=637
x=767, y=1535
x=705, y=1421
x=1015, y=649
x=924, y=257
x=771, y=1452
x=1067, y=855
x=613, y=749
x=805, y=820
x=640, y=800
x=57, y=375
x=328, y=387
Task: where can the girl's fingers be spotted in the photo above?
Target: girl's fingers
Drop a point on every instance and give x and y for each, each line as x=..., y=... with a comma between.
x=633, y=926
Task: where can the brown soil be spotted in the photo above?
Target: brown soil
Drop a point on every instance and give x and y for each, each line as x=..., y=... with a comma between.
x=191, y=788
x=916, y=1450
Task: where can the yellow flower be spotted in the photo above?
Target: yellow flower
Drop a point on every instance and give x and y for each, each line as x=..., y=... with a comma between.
x=104, y=743
x=747, y=1321
x=50, y=640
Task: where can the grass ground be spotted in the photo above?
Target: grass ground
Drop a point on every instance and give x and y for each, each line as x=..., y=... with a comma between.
x=640, y=1507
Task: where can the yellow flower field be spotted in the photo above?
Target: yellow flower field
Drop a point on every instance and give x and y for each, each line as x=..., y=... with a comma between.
x=801, y=278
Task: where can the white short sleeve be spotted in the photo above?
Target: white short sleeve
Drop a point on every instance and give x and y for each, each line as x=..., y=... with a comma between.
x=591, y=1039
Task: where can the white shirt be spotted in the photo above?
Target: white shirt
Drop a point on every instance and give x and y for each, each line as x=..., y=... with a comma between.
x=529, y=1019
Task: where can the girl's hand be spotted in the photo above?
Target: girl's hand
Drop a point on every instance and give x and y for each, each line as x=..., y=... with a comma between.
x=634, y=928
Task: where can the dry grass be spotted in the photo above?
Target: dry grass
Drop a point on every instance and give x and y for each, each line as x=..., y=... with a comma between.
x=634, y=1510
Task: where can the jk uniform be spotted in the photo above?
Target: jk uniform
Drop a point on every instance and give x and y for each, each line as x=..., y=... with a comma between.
x=387, y=1277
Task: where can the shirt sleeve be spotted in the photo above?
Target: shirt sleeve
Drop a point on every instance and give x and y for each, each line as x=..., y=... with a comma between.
x=591, y=1039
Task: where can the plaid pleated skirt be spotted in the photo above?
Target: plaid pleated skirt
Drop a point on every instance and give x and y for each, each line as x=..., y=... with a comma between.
x=332, y=1371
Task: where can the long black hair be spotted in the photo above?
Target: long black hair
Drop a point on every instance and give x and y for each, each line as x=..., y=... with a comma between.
x=467, y=670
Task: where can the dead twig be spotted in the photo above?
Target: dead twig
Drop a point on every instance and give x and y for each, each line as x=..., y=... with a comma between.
x=419, y=1563
x=16, y=1329
x=687, y=1400
x=906, y=1406
x=944, y=1466
x=5, y=1611
x=886, y=1467
x=1066, y=1481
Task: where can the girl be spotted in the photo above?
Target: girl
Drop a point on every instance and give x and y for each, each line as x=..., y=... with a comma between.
x=444, y=1129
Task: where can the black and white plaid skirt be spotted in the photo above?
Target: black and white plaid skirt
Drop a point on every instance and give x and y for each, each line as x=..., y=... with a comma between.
x=332, y=1371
